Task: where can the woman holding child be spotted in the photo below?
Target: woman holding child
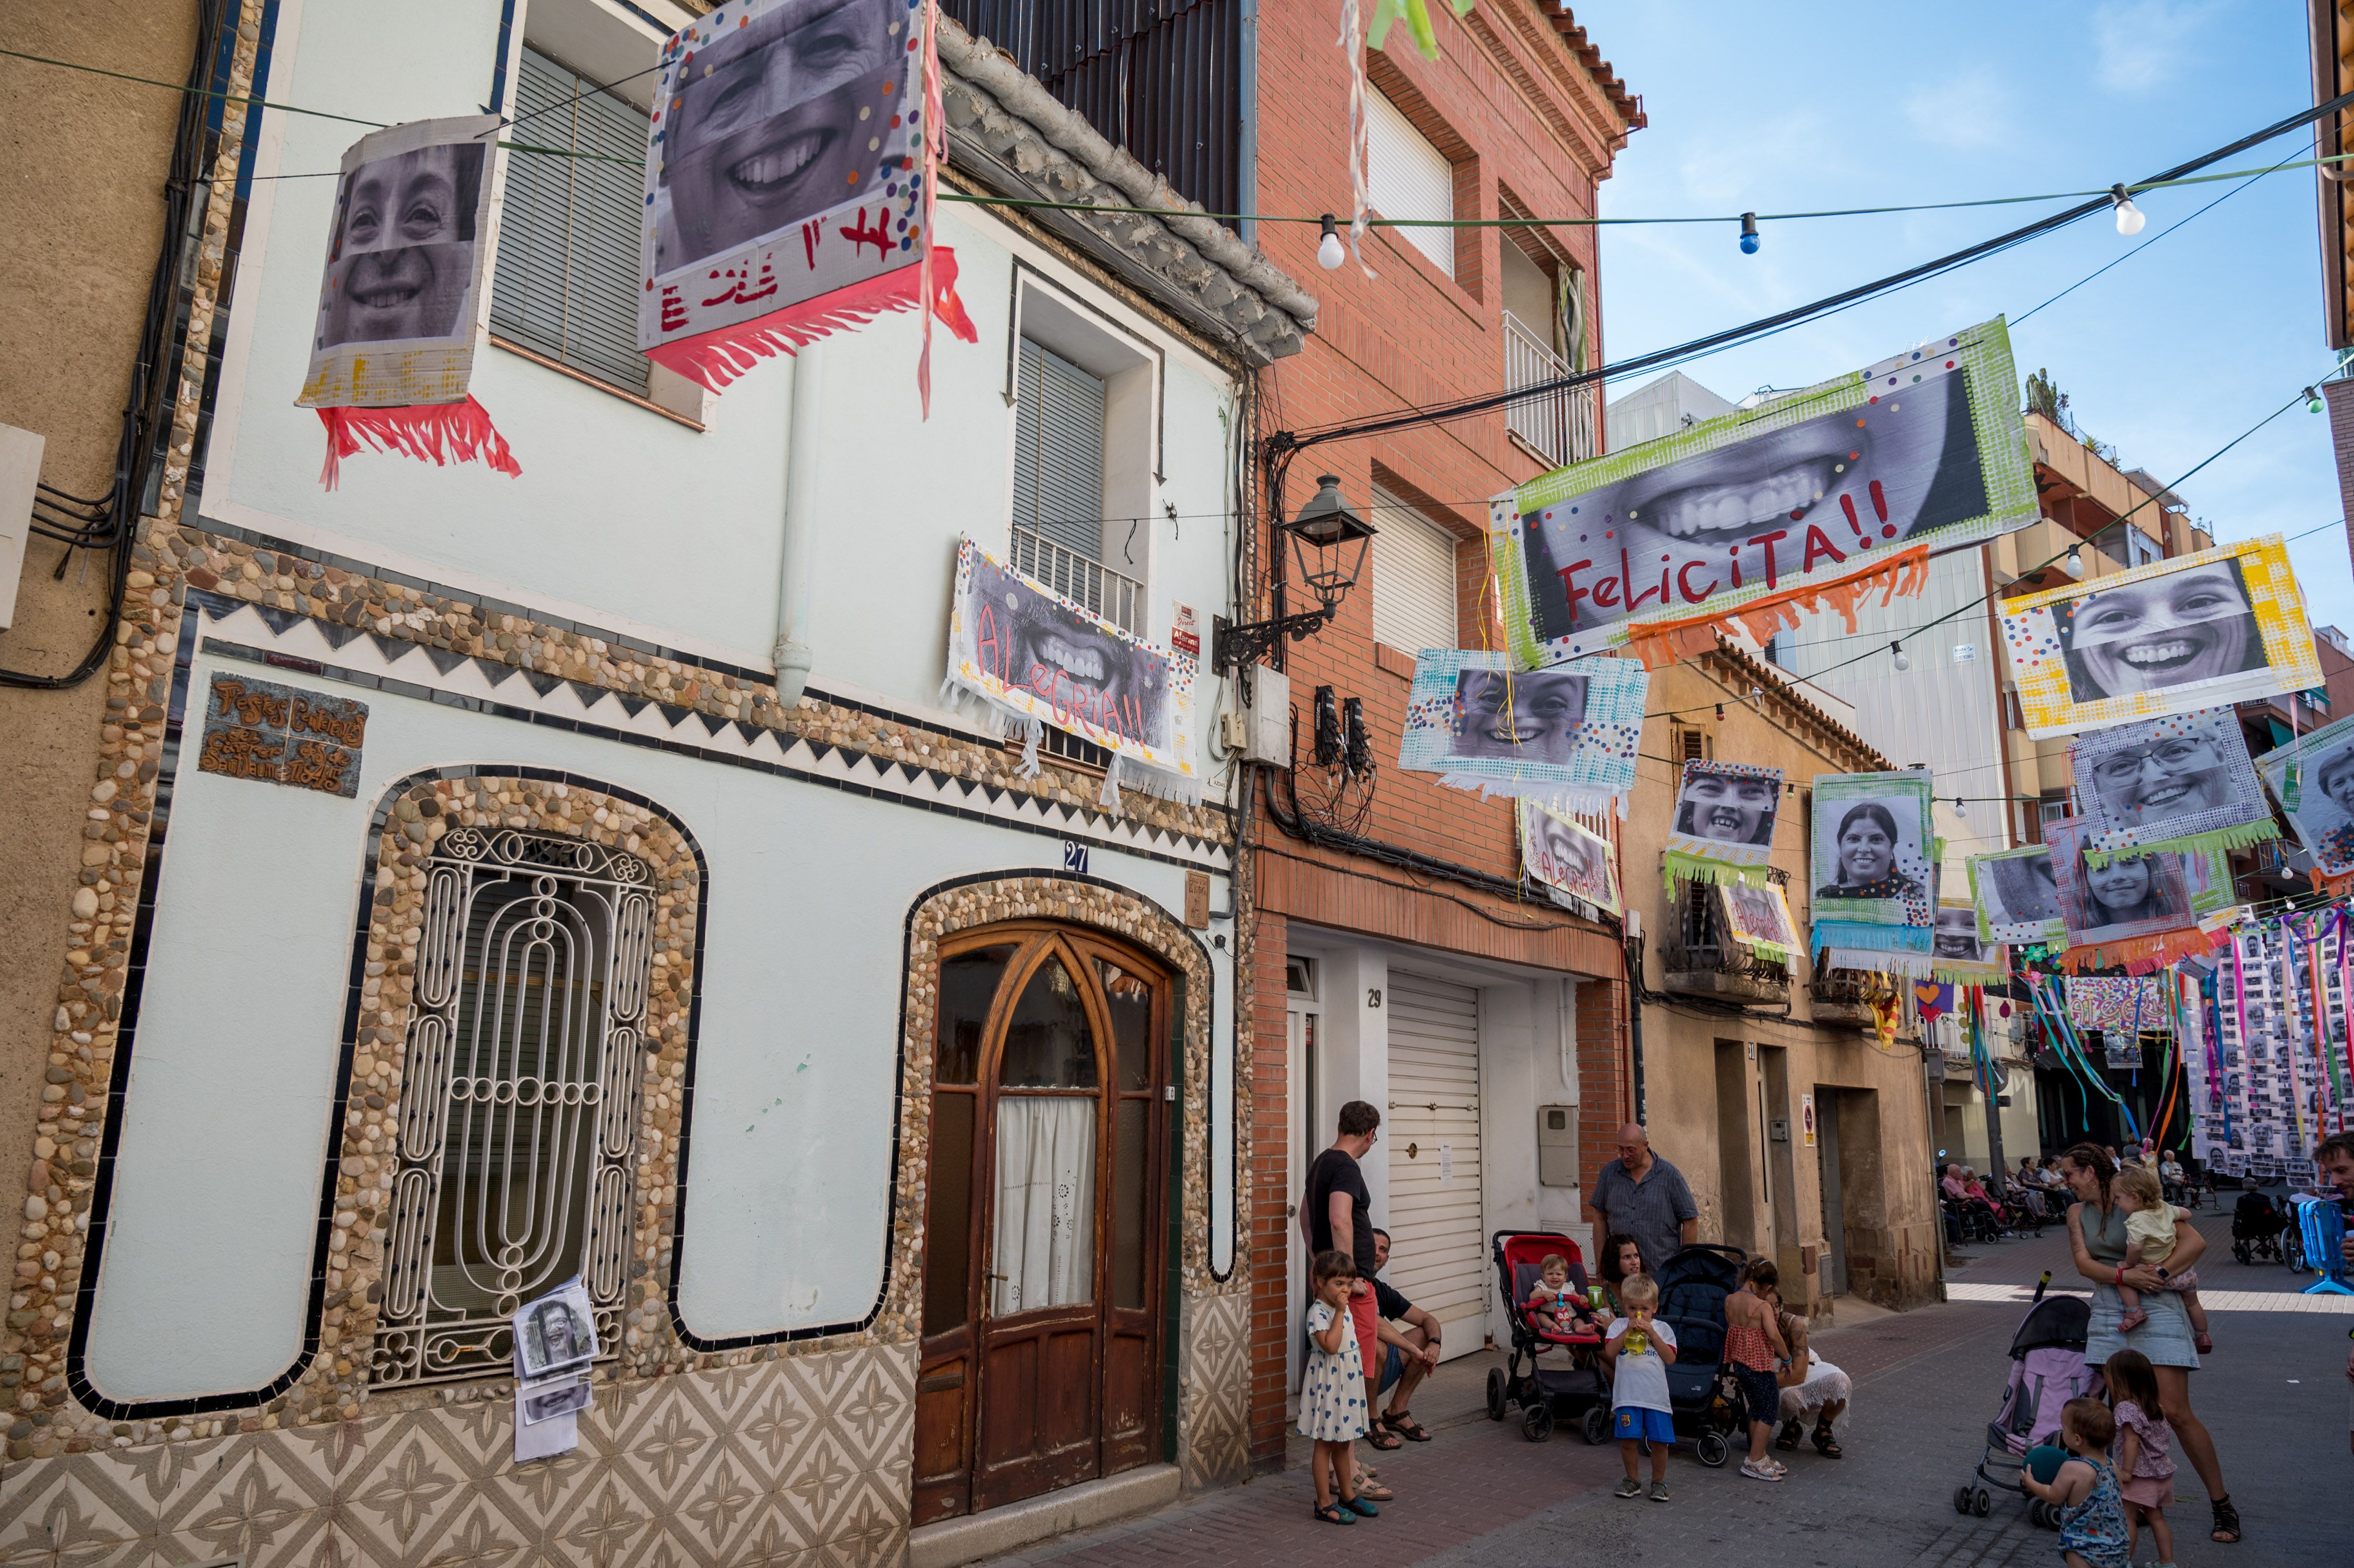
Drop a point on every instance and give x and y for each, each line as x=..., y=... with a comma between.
x=2097, y=1235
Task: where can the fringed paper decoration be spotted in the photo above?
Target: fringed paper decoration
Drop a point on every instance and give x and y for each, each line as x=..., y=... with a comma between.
x=1758, y=917
x=1415, y=14
x=2016, y=897
x=392, y=342
x=1658, y=644
x=2180, y=782
x=1722, y=832
x=785, y=200
x=2138, y=955
x=1561, y=855
x=2141, y=910
x=2313, y=776
x=1813, y=499
x=1565, y=737
x=1029, y=657
x=1875, y=871
x=2200, y=631
x=1959, y=956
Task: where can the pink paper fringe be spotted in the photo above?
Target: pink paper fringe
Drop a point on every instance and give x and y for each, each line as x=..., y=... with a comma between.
x=438, y=432
x=715, y=358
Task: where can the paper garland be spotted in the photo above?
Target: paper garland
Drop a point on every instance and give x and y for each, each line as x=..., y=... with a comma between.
x=1722, y=830
x=1874, y=871
x=2180, y=782
x=2313, y=777
x=2200, y=631
x=1565, y=736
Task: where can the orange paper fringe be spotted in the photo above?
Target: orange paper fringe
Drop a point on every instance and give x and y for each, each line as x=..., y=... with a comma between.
x=437, y=432
x=2143, y=955
x=1659, y=643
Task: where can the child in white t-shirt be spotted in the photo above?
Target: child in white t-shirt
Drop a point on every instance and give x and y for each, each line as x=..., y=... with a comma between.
x=1638, y=1349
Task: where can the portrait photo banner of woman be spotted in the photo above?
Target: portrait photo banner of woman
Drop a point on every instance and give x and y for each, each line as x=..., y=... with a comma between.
x=1028, y=653
x=1818, y=485
x=1723, y=821
x=2312, y=778
x=2130, y=897
x=1565, y=857
x=2203, y=630
x=2182, y=782
x=1565, y=735
x=402, y=285
x=2017, y=898
x=1874, y=870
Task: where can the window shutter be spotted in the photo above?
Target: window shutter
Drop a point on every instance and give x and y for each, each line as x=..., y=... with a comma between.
x=1410, y=178
x=1414, y=578
x=1058, y=440
x=566, y=279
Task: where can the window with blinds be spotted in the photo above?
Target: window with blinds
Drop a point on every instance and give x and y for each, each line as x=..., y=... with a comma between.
x=567, y=281
x=1414, y=578
x=1409, y=178
x=1058, y=447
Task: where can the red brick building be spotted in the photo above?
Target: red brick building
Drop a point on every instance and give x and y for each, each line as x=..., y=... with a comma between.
x=1396, y=959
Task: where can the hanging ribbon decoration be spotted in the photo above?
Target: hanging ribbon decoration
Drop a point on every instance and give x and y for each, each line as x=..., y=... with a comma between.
x=2072, y=1052
x=935, y=146
x=1415, y=14
x=1360, y=145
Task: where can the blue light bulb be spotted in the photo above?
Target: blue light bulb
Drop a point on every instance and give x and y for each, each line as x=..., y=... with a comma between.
x=1749, y=234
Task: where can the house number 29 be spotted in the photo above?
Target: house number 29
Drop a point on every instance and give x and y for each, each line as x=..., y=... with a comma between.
x=1372, y=999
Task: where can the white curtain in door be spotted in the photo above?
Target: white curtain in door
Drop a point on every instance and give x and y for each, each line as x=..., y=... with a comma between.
x=1043, y=1251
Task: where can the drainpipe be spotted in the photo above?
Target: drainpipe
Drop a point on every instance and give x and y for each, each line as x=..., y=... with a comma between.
x=803, y=443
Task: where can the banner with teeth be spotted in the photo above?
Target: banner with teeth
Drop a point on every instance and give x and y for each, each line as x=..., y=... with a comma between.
x=1723, y=826
x=2183, y=782
x=1037, y=660
x=2201, y=630
x=2312, y=778
x=1813, y=489
x=1565, y=736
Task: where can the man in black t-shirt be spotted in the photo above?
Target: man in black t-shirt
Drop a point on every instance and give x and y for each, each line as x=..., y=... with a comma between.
x=1336, y=1215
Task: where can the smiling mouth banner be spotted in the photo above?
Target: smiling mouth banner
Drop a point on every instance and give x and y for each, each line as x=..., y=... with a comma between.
x=791, y=163
x=2182, y=782
x=1036, y=659
x=2201, y=630
x=1565, y=736
x=1805, y=503
x=392, y=342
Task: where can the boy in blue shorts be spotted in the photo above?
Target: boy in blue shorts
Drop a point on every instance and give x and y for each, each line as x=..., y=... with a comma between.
x=1638, y=1350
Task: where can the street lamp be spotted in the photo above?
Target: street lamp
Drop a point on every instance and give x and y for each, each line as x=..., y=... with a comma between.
x=1328, y=542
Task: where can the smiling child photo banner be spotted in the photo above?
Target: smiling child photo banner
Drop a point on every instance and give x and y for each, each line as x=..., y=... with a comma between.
x=2182, y=782
x=2201, y=630
x=1565, y=736
x=1802, y=503
x=1875, y=871
x=1035, y=658
x=2312, y=778
x=1723, y=826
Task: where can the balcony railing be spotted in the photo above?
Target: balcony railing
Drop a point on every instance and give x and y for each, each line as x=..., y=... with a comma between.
x=1559, y=425
x=1118, y=600
x=1724, y=970
x=1842, y=996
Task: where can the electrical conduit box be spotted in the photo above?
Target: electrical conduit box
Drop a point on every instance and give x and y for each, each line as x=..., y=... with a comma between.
x=1268, y=714
x=1556, y=1146
x=20, y=469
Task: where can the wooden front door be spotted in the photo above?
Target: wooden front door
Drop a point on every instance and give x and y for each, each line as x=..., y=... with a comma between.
x=1045, y=1218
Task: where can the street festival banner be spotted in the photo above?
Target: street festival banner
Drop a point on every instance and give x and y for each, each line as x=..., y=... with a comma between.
x=1567, y=858
x=2140, y=910
x=1033, y=658
x=790, y=166
x=1959, y=956
x=1875, y=867
x=1804, y=503
x=2018, y=902
x=2313, y=777
x=1723, y=827
x=1565, y=735
x=392, y=341
x=1758, y=915
x=2128, y=1004
x=2201, y=630
x=2180, y=782
x=2274, y=1087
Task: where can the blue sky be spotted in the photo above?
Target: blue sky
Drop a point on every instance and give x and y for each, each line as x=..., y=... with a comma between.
x=2167, y=357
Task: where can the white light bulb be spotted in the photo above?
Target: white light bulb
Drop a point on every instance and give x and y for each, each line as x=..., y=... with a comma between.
x=1329, y=254
x=1961, y=807
x=1903, y=660
x=2074, y=564
x=2130, y=218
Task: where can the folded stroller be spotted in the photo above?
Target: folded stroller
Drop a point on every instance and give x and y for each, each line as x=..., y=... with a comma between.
x=1568, y=1387
x=2256, y=1227
x=1708, y=1402
x=2047, y=1370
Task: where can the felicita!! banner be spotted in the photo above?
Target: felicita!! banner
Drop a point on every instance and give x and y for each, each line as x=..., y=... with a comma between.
x=392, y=343
x=2201, y=630
x=2313, y=777
x=2182, y=782
x=1567, y=858
x=1565, y=736
x=790, y=172
x=1723, y=827
x=1035, y=658
x=1803, y=503
x=1875, y=871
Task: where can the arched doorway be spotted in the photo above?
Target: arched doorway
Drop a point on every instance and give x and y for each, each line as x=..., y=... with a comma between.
x=1045, y=1218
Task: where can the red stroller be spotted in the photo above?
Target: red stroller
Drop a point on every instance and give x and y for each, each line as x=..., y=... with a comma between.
x=1570, y=1387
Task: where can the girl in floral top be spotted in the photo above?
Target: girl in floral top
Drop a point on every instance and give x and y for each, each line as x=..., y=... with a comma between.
x=2144, y=1452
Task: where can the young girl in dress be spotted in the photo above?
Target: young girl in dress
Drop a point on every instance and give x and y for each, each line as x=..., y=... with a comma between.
x=2091, y=1522
x=1333, y=1394
x=2145, y=1457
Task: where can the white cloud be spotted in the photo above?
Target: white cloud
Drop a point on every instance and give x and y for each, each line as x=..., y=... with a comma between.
x=1973, y=109
x=2139, y=44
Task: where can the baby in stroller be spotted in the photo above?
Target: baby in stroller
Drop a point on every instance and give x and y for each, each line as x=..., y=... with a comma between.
x=1541, y=1276
x=1553, y=1297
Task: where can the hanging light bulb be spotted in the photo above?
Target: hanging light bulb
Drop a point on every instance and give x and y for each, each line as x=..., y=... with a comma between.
x=2130, y=217
x=1329, y=254
x=1749, y=234
x=1903, y=660
x=2312, y=401
x=2074, y=564
x=1961, y=807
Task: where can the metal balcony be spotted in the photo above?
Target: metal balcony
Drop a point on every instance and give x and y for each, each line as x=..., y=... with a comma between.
x=1724, y=971
x=1557, y=425
x=1841, y=997
x=1117, y=599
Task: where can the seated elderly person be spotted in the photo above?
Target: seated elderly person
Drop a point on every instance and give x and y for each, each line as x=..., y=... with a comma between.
x=1811, y=1387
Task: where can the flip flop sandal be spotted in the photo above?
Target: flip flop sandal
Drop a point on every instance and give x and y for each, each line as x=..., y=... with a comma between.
x=1406, y=1426
x=2227, y=1522
x=1332, y=1513
x=1787, y=1439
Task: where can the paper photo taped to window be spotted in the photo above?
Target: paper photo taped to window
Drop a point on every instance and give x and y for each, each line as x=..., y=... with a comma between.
x=784, y=160
x=1565, y=735
x=1565, y=857
x=1817, y=484
x=557, y=1332
x=2321, y=803
x=2183, y=781
x=2017, y=896
x=1758, y=915
x=2133, y=895
x=402, y=284
x=2203, y=630
x=1725, y=811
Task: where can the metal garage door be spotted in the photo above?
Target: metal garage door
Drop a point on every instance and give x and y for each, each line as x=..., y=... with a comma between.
x=1438, y=1257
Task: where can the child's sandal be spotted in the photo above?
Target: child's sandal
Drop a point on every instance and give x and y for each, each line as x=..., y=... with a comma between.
x=2132, y=1320
x=1333, y=1513
x=2204, y=1343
